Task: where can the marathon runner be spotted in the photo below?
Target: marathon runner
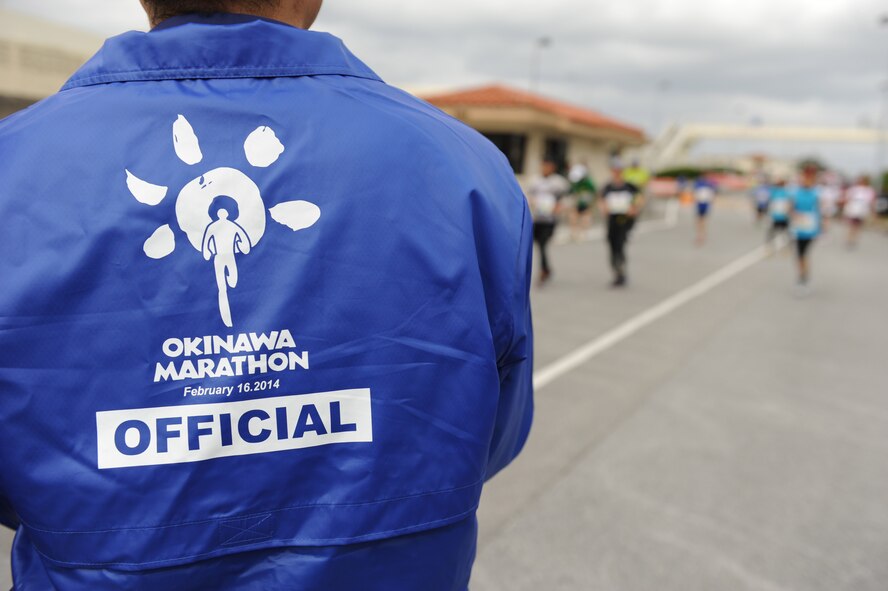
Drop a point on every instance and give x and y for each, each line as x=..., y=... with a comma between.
x=761, y=195
x=778, y=206
x=704, y=194
x=806, y=220
x=620, y=203
x=830, y=195
x=544, y=193
x=639, y=177
x=583, y=189
x=860, y=200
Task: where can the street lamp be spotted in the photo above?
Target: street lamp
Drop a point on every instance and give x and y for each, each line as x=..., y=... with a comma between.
x=663, y=86
x=536, y=59
x=880, y=135
x=880, y=125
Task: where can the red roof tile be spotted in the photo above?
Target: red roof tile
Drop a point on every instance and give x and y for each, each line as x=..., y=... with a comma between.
x=496, y=95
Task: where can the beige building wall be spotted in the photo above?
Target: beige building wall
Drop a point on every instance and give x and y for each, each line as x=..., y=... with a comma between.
x=594, y=154
x=37, y=57
x=533, y=157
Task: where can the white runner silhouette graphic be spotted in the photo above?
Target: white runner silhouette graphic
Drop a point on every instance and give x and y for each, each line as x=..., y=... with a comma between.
x=223, y=239
x=214, y=235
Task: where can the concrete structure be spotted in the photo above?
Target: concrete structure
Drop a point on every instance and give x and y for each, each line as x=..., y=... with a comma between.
x=751, y=165
x=36, y=57
x=673, y=148
x=528, y=127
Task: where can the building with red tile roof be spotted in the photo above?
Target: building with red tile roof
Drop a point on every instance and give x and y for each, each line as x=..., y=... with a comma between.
x=529, y=127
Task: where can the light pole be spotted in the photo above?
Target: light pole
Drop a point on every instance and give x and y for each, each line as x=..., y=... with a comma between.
x=880, y=136
x=880, y=126
x=536, y=60
x=663, y=86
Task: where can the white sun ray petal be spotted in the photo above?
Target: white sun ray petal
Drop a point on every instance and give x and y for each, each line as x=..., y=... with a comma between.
x=185, y=142
x=263, y=147
x=143, y=191
x=296, y=215
x=161, y=243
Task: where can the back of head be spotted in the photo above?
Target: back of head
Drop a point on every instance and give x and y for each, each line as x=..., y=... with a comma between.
x=159, y=10
x=549, y=167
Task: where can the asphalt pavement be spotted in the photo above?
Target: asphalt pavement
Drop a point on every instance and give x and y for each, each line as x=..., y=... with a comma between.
x=735, y=443
x=713, y=428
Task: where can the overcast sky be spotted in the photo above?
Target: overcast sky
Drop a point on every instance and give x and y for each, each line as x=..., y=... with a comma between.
x=645, y=61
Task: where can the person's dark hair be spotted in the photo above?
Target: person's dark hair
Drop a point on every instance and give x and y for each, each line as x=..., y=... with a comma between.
x=159, y=10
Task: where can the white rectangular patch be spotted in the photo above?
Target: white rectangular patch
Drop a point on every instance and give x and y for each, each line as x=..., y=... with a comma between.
x=197, y=432
x=805, y=222
x=619, y=202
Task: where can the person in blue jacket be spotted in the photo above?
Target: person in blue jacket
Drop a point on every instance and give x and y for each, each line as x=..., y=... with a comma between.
x=806, y=220
x=704, y=195
x=264, y=321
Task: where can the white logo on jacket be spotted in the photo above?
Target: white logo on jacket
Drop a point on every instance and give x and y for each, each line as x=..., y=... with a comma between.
x=221, y=212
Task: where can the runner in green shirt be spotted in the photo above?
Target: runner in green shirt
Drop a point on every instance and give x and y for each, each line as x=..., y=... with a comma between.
x=582, y=189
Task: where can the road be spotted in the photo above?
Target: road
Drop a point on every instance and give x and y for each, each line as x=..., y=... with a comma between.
x=706, y=428
x=735, y=443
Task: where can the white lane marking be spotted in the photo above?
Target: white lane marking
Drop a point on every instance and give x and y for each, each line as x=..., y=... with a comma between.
x=548, y=374
x=670, y=220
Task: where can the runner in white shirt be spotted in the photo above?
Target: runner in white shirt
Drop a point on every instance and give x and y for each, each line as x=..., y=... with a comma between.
x=860, y=201
x=830, y=195
x=544, y=193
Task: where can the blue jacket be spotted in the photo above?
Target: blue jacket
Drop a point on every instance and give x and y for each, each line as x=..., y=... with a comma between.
x=264, y=321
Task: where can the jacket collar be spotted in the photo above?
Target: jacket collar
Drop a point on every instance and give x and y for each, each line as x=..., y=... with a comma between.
x=218, y=46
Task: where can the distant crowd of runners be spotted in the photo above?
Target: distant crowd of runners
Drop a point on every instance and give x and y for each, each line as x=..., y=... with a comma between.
x=797, y=209
x=554, y=197
x=802, y=210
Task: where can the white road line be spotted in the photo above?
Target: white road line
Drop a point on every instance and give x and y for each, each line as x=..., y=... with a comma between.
x=546, y=375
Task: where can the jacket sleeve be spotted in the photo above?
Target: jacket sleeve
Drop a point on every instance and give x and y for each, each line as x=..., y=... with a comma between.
x=7, y=515
x=515, y=409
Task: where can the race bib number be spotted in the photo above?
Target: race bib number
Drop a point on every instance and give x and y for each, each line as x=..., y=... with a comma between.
x=856, y=209
x=805, y=222
x=780, y=207
x=619, y=202
x=704, y=195
x=544, y=205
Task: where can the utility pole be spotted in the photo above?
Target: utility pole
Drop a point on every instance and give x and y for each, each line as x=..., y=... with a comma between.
x=663, y=86
x=536, y=60
x=881, y=123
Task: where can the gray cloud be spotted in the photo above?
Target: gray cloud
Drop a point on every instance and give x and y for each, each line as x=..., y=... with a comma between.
x=783, y=62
